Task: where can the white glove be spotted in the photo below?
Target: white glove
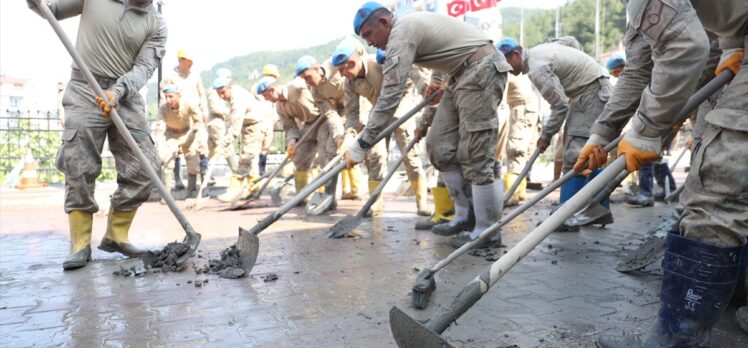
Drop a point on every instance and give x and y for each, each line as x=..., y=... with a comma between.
x=355, y=152
x=596, y=139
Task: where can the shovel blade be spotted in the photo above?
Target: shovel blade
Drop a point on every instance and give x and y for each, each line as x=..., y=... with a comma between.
x=651, y=250
x=587, y=216
x=344, y=226
x=318, y=203
x=192, y=240
x=249, y=246
x=409, y=333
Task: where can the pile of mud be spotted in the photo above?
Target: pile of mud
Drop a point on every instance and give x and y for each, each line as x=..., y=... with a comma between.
x=229, y=266
x=166, y=258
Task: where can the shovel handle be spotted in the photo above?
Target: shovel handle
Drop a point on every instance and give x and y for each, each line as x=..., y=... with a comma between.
x=378, y=191
x=121, y=127
x=522, y=175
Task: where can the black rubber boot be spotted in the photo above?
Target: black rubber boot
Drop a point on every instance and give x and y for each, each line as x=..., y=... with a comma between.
x=263, y=163
x=191, y=186
x=697, y=283
x=178, y=185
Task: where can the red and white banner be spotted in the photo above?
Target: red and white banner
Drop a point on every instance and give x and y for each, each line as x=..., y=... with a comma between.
x=458, y=8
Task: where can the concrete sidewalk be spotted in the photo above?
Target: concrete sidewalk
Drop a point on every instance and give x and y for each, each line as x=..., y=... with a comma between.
x=329, y=293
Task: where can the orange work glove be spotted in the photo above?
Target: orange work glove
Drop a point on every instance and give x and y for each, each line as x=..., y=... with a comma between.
x=109, y=104
x=434, y=87
x=591, y=157
x=731, y=59
x=291, y=150
x=639, y=149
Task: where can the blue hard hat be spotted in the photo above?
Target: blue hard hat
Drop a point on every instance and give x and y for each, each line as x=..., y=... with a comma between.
x=305, y=62
x=381, y=56
x=363, y=14
x=170, y=89
x=506, y=45
x=344, y=51
x=221, y=81
x=265, y=83
x=615, y=61
x=223, y=72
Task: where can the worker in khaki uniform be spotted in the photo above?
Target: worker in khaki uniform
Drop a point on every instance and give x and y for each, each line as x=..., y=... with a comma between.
x=192, y=91
x=363, y=78
x=297, y=110
x=247, y=122
x=219, y=111
x=462, y=140
x=577, y=89
x=523, y=121
x=704, y=259
x=178, y=129
x=269, y=128
x=121, y=76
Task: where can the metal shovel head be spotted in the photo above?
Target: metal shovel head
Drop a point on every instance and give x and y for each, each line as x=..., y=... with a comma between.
x=587, y=216
x=651, y=250
x=409, y=333
x=249, y=246
x=280, y=191
x=318, y=203
x=192, y=240
x=342, y=227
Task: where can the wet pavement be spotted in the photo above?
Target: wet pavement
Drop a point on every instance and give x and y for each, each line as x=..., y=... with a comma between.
x=328, y=293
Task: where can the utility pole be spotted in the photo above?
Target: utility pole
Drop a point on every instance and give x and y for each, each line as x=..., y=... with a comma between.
x=558, y=19
x=522, y=25
x=160, y=69
x=597, y=30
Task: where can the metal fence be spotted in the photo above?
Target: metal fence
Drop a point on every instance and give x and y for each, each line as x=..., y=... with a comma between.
x=39, y=131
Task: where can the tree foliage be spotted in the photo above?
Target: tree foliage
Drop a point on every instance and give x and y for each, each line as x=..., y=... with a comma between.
x=577, y=19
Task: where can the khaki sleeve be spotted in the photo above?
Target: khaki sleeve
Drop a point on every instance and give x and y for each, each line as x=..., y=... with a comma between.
x=159, y=130
x=217, y=106
x=289, y=125
x=401, y=51
x=145, y=64
x=550, y=88
x=352, y=108
x=62, y=9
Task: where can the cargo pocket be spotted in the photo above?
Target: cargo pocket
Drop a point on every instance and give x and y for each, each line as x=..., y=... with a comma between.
x=478, y=142
x=61, y=159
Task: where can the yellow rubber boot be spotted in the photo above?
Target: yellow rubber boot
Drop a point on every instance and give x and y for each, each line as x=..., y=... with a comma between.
x=300, y=179
x=419, y=188
x=81, y=224
x=232, y=191
x=118, y=227
x=355, y=179
x=520, y=194
x=443, y=209
x=378, y=205
x=345, y=183
x=251, y=185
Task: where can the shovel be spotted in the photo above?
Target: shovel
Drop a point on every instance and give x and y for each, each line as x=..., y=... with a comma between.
x=192, y=238
x=319, y=201
x=281, y=190
x=348, y=223
x=425, y=283
x=249, y=241
x=521, y=176
x=410, y=333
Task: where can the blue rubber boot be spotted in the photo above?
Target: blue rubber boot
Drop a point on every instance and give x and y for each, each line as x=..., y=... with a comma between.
x=606, y=202
x=697, y=284
x=645, y=198
x=663, y=176
x=568, y=190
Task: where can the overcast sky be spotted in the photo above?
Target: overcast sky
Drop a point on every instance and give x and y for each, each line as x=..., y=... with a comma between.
x=212, y=31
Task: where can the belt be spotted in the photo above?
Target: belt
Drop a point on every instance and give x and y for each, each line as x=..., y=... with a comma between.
x=104, y=82
x=479, y=54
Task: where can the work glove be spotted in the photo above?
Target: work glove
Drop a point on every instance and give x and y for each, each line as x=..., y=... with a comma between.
x=109, y=104
x=355, y=154
x=592, y=154
x=434, y=87
x=420, y=133
x=639, y=149
x=688, y=143
x=730, y=59
x=543, y=144
x=291, y=149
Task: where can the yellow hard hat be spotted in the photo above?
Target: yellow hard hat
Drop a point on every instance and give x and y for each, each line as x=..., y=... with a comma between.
x=270, y=70
x=183, y=54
